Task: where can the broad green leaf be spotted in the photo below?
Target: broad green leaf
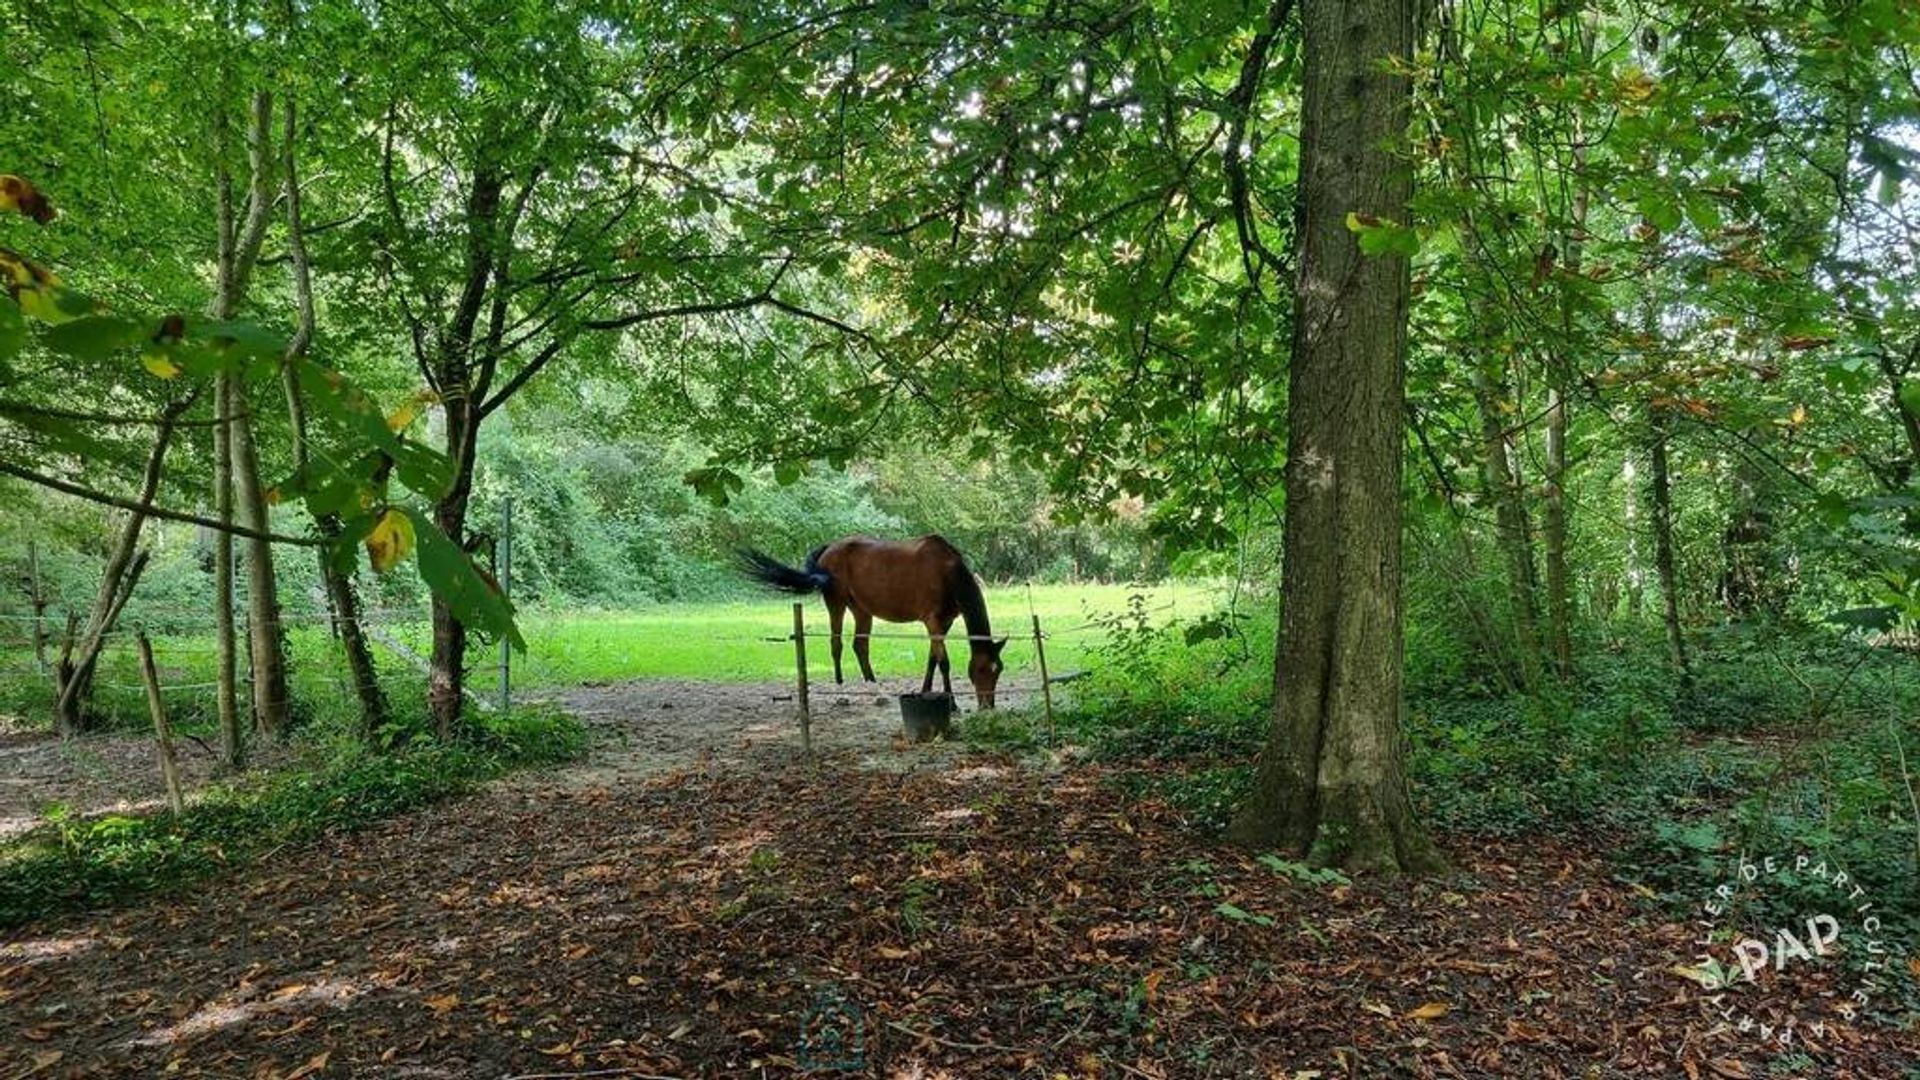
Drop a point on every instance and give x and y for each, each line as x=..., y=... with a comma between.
x=456, y=582
x=96, y=337
x=1380, y=236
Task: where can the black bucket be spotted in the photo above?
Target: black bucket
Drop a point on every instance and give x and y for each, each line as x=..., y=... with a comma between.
x=927, y=716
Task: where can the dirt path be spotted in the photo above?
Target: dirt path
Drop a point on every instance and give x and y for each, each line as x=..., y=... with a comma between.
x=639, y=728
x=646, y=727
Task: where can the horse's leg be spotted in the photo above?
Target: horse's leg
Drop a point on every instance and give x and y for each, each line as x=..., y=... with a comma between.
x=934, y=646
x=836, y=613
x=862, y=644
x=946, y=666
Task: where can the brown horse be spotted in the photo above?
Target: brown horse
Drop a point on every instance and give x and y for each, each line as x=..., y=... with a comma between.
x=925, y=581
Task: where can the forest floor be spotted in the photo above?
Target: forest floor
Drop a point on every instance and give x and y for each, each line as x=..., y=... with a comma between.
x=692, y=901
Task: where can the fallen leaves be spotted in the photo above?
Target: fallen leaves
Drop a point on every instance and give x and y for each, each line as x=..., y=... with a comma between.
x=554, y=934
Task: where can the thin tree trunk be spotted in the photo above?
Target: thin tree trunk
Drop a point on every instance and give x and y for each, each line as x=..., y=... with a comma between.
x=1502, y=482
x=1331, y=784
x=1554, y=511
x=272, y=695
x=266, y=642
x=233, y=749
x=74, y=676
x=342, y=602
x=1660, y=429
x=1630, y=511
x=1554, y=524
x=446, y=684
x=39, y=601
x=454, y=380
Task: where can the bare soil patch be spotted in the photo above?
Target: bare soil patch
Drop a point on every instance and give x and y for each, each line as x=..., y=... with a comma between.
x=110, y=772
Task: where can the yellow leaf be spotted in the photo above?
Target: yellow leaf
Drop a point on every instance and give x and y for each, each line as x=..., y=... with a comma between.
x=160, y=365
x=1637, y=86
x=558, y=1050
x=409, y=410
x=1377, y=1007
x=1432, y=1010
x=444, y=1004
x=1645, y=891
x=889, y=952
x=390, y=541
x=1694, y=974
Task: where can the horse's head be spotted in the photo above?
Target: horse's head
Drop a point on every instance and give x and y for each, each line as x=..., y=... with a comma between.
x=984, y=669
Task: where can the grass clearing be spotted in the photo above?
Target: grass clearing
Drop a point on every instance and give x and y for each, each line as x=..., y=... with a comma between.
x=726, y=641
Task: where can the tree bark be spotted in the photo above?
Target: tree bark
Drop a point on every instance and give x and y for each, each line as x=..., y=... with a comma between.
x=446, y=682
x=1331, y=784
x=267, y=645
x=1554, y=525
x=1660, y=429
x=233, y=747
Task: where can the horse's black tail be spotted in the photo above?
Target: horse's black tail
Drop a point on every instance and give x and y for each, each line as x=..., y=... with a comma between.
x=770, y=571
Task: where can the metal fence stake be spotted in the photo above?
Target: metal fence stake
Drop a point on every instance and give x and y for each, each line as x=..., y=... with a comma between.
x=800, y=667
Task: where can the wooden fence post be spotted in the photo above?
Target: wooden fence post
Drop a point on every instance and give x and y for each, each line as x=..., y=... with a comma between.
x=1046, y=683
x=169, y=768
x=800, y=666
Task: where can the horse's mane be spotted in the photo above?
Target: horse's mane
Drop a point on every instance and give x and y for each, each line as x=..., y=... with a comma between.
x=973, y=605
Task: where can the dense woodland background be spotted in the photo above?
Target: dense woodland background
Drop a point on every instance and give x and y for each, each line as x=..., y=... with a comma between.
x=676, y=278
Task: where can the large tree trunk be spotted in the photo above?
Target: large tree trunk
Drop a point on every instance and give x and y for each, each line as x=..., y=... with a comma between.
x=266, y=644
x=1331, y=783
x=1660, y=429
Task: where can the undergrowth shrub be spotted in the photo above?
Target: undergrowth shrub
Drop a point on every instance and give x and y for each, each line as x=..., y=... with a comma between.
x=74, y=862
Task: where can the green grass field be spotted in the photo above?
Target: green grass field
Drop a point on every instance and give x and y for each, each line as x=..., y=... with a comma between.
x=729, y=641
x=741, y=641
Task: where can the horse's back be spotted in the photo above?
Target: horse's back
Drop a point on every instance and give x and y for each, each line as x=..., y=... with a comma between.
x=896, y=580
